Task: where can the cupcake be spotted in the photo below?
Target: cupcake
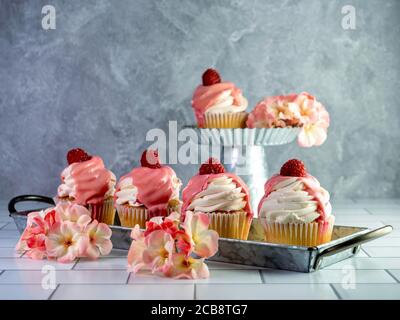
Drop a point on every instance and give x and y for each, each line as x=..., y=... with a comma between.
x=146, y=192
x=223, y=196
x=87, y=182
x=219, y=104
x=295, y=209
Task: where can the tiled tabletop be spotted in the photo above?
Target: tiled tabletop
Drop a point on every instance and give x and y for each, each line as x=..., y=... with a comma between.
x=373, y=274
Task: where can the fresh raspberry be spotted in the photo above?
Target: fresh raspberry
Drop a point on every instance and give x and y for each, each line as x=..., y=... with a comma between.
x=210, y=77
x=77, y=155
x=294, y=168
x=150, y=159
x=211, y=166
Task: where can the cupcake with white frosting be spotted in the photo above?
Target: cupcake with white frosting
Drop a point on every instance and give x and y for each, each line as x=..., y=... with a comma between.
x=219, y=104
x=295, y=209
x=147, y=191
x=223, y=196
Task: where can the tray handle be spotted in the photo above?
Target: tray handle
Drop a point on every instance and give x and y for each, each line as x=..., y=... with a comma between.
x=352, y=243
x=27, y=197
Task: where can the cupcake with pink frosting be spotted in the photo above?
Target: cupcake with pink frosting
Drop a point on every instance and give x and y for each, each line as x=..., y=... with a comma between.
x=295, y=209
x=147, y=191
x=221, y=195
x=87, y=182
x=218, y=104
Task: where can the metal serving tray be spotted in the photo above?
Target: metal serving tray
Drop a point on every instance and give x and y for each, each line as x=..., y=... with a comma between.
x=346, y=242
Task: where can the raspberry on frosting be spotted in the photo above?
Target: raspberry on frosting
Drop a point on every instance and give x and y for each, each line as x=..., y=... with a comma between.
x=293, y=168
x=210, y=77
x=77, y=155
x=150, y=159
x=211, y=166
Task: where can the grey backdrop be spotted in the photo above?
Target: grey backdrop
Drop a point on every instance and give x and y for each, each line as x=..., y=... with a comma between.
x=112, y=70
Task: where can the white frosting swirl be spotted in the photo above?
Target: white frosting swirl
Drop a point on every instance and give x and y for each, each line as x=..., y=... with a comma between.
x=225, y=103
x=291, y=203
x=176, y=185
x=127, y=193
x=221, y=194
x=67, y=187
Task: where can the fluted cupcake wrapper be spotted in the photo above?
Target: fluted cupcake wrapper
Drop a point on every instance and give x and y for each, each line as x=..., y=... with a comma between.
x=298, y=234
x=131, y=216
x=102, y=212
x=234, y=225
x=226, y=120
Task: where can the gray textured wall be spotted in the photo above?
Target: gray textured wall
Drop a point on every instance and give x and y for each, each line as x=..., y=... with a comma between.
x=114, y=69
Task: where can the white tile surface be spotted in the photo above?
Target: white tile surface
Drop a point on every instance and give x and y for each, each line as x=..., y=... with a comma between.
x=65, y=277
x=9, y=226
x=368, y=263
x=102, y=263
x=29, y=264
x=9, y=253
x=386, y=252
x=124, y=292
x=24, y=292
x=370, y=291
x=393, y=210
x=264, y=291
x=9, y=234
x=216, y=276
x=346, y=211
x=360, y=223
x=327, y=276
x=396, y=274
x=8, y=242
x=383, y=242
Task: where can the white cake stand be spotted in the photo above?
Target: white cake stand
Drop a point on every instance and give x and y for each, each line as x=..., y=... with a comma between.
x=244, y=152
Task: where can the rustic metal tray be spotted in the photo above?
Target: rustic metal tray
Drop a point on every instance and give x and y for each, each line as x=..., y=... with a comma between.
x=346, y=242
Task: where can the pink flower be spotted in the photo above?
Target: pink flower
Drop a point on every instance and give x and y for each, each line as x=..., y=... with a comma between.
x=167, y=246
x=315, y=121
x=159, y=248
x=169, y=224
x=205, y=242
x=276, y=111
x=135, y=253
x=294, y=110
x=74, y=213
x=183, y=267
x=33, y=238
x=99, y=239
x=65, y=241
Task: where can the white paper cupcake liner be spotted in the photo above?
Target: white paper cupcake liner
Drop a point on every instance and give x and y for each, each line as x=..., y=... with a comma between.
x=247, y=136
x=234, y=225
x=298, y=234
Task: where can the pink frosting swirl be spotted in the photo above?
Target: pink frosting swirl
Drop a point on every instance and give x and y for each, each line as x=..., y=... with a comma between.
x=155, y=186
x=87, y=182
x=313, y=188
x=199, y=183
x=206, y=97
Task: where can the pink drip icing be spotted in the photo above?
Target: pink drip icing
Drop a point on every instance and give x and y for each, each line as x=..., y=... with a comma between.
x=91, y=180
x=155, y=188
x=205, y=97
x=311, y=185
x=199, y=183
